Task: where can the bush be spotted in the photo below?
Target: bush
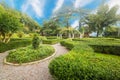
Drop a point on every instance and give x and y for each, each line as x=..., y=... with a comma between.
x=108, y=49
x=14, y=43
x=75, y=66
x=69, y=45
x=28, y=54
x=52, y=37
x=51, y=41
x=35, y=42
x=82, y=63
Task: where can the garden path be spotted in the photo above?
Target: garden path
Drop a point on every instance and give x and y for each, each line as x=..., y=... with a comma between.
x=38, y=71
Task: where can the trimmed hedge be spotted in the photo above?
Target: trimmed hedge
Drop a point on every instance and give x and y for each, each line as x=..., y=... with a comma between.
x=14, y=43
x=82, y=63
x=51, y=41
x=29, y=54
x=52, y=37
x=69, y=45
x=108, y=49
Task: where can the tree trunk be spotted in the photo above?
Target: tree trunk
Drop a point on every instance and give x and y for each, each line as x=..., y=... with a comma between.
x=79, y=25
x=69, y=35
x=60, y=36
x=57, y=35
x=97, y=33
x=73, y=35
x=8, y=39
x=3, y=35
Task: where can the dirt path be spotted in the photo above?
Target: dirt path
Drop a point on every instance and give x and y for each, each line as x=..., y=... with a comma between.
x=37, y=71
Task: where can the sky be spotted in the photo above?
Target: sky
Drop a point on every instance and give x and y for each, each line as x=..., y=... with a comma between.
x=41, y=10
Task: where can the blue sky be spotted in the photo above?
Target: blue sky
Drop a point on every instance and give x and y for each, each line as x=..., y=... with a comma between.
x=41, y=10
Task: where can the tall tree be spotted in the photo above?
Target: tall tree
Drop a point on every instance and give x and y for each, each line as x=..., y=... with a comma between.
x=29, y=24
x=64, y=15
x=104, y=17
x=50, y=28
x=9, y=23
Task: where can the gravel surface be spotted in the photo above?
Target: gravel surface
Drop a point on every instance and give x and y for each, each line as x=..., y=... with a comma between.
x=38, y=71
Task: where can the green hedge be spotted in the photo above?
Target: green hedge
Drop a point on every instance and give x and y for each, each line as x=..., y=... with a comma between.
x=52, y=37
x=108, y=49
x=82, y=63
x=14, y=43
x=51, y=41
x=28, y=54
x=69, y=45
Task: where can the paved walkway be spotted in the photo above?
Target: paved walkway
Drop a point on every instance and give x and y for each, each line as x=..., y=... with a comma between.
x=37, y=71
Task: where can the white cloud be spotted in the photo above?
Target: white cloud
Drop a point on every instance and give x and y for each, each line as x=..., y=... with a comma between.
x=58, y=5
x=36, y=5
x=75, y=24
x=81, y=3
x=112, y=3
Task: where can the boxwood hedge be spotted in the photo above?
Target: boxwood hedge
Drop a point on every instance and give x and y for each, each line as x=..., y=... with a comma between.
x=14, y=43
x=82, y=63
x=51, y=41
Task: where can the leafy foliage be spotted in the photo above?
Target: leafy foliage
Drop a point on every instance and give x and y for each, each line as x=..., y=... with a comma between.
x=28, y=54
x=14, y=43
x=9, y=23
x=50, y=28
x=82, y=63
x=35, y=42
x=104, y=17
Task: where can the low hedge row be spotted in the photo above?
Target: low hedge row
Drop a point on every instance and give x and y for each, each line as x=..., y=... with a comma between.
x=108, y=49
x=82, y=63
x=28, y=54
x=51, y=41
x=52, y=37
x=14, y=43
x=69, y=45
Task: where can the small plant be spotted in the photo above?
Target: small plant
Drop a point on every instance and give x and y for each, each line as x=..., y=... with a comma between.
x=35, y=41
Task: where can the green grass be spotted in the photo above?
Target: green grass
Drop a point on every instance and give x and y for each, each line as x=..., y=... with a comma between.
x=82, y=63
x=28, y=54
x=14, y=43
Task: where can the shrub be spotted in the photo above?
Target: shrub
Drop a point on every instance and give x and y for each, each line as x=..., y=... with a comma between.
x=69, y=45
x=28, y=54
x=35, y=42
x=108, y=49
x=51, y=41
x=74, y=66
x=52, y=37
x=14, y=43
x=82, y=63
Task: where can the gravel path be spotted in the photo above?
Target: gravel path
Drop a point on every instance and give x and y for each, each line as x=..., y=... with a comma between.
x=38, y=71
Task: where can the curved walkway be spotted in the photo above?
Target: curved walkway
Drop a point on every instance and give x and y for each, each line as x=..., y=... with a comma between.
x=37, y=71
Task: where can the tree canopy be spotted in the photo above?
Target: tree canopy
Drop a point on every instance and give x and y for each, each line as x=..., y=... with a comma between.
x=104, y=17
